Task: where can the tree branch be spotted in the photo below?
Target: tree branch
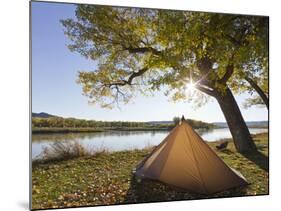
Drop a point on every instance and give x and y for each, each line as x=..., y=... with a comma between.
x=238, y=42
x=205, y=90
x=233, y=40
x=130, y=79
x=204, y=64
x=228, y=74
x=258, y=90
x=136, y=74
x=142, y=50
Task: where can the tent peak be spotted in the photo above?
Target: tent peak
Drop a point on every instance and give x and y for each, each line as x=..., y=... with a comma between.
x=182, y=118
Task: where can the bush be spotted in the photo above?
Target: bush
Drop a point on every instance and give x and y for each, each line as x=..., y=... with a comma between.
x=67, y=150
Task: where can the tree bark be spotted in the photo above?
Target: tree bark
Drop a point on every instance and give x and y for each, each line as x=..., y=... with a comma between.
x=240, y=133
x=259, y=91
x=236, y=123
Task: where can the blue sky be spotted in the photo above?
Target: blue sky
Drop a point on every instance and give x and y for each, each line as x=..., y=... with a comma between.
x=55, y=70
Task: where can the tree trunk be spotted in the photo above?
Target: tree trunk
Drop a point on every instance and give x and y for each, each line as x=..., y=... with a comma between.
x=237, y=126
x=259, y=91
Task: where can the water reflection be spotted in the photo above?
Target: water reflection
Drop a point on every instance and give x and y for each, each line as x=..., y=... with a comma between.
x=122, y=140
x=86, y=135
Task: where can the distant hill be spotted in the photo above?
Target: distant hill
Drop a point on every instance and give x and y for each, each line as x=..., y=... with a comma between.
x=262, y=124
x=257, y=123
x=220, y=124
x=192, y=122
x=43, y=115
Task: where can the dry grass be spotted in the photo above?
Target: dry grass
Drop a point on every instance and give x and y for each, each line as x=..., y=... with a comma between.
x=61, y=151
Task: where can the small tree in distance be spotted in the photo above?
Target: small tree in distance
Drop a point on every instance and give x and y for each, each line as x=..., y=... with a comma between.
x=176, y=120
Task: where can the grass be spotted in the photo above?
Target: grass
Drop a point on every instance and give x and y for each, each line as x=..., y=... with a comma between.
x=105, y=178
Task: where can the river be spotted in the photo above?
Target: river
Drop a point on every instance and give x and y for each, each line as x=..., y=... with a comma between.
x=121, y=140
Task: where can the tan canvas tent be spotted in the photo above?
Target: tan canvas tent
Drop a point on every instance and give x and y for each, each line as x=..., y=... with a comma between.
x=184, y=160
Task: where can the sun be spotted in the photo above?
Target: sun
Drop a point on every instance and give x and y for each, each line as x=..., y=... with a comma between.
x=190, y=86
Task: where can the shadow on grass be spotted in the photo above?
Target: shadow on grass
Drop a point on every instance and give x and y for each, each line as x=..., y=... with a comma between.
x=258, y=158
x=154, y=191
x=226, y=151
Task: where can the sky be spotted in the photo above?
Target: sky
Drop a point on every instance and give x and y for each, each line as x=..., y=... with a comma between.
x=55, y=71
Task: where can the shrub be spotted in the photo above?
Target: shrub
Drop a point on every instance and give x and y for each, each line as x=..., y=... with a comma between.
x=67, y=150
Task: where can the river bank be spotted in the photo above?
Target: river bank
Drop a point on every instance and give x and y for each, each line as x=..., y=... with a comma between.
x=43, y=130
x=105, y=178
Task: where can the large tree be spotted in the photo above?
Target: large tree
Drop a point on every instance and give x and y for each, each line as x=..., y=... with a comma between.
x=143, y=50
x=252, y=75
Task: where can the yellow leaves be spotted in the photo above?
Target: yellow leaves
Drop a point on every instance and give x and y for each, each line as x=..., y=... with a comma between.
x=69, y=197
x=105, y=92
x=86, y=88
x=178, y=96
x=35, y=190
x=104, y=33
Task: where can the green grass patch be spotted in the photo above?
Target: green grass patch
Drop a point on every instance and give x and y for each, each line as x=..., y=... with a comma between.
x=106, y=178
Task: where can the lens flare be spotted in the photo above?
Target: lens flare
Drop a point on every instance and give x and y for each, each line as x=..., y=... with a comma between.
x=190, y=86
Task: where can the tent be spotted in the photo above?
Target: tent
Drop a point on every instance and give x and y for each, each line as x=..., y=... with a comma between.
x=185, y=161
